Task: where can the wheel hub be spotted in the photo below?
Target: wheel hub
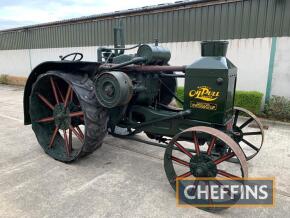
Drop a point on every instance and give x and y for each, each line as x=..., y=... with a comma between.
x=237, y=134
x=61, y=116
x=202, y=166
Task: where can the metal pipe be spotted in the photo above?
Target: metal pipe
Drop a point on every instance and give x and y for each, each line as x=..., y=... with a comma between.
x=123, y=49
x=154, y=68
x=135, y=138
x=172, y=75
x=153, y=143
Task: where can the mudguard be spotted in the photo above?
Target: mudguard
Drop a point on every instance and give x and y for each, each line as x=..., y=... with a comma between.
x=79, y=67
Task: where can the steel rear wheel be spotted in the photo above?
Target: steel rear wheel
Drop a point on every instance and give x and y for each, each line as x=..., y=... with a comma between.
x=185, y=159
x=66, y=118
x=247, y=132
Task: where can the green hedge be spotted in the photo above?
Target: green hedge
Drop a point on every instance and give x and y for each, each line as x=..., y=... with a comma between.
x=250, y=100
x=180, y=93
x=3, y=79
x=278, y=108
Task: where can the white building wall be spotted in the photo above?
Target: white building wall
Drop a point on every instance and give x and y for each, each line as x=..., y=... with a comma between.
x=40, y=55
x=15, y=62
x=281, y=72
x=251, y=56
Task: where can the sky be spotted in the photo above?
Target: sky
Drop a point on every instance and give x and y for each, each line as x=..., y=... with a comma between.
x=17, y=13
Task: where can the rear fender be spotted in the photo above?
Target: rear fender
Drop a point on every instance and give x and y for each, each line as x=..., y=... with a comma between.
x=89, y=68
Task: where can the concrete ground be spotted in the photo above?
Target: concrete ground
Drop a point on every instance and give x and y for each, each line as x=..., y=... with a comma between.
x=121, y=179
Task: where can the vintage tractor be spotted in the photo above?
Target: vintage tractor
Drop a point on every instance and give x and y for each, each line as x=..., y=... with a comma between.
x=73, y=104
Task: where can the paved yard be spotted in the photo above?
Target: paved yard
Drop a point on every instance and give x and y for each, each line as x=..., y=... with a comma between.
x=122, y=179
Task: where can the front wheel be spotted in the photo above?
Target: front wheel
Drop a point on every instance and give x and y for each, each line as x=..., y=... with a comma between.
x=66, y=118
x=247, y=132
x=185, y=159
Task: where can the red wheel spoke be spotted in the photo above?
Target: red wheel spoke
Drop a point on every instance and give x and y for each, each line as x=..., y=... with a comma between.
x=76, y=133
x=220, y=184
x=209, y=193
x=53, y=137
x=195, y=141
x=184, y=175
x=71, y=96
x=76, y=114
x=45, y=120
x=183, y=149
x=66, y=143
x=67, y=95
x=211, y=145
x=224, y=158
x=80, y=131
x=54, y=90
x=195, y=186
x=45, y=101
x=180, y=161
x=59, y=92
x=226, y=174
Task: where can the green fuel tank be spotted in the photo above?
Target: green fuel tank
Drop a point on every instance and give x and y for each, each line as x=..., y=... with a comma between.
x=210, y=84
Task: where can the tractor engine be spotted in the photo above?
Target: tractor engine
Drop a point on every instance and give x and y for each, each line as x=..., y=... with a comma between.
x=118, y=89
x=209, y=83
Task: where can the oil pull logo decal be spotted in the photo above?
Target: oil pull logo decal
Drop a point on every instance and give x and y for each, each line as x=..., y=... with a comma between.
x=204, y=93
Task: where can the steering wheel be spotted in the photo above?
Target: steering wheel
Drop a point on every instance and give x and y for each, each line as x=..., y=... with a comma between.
x=75, y=54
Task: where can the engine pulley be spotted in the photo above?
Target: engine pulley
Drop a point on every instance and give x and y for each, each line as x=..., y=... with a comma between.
x=113, y=89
